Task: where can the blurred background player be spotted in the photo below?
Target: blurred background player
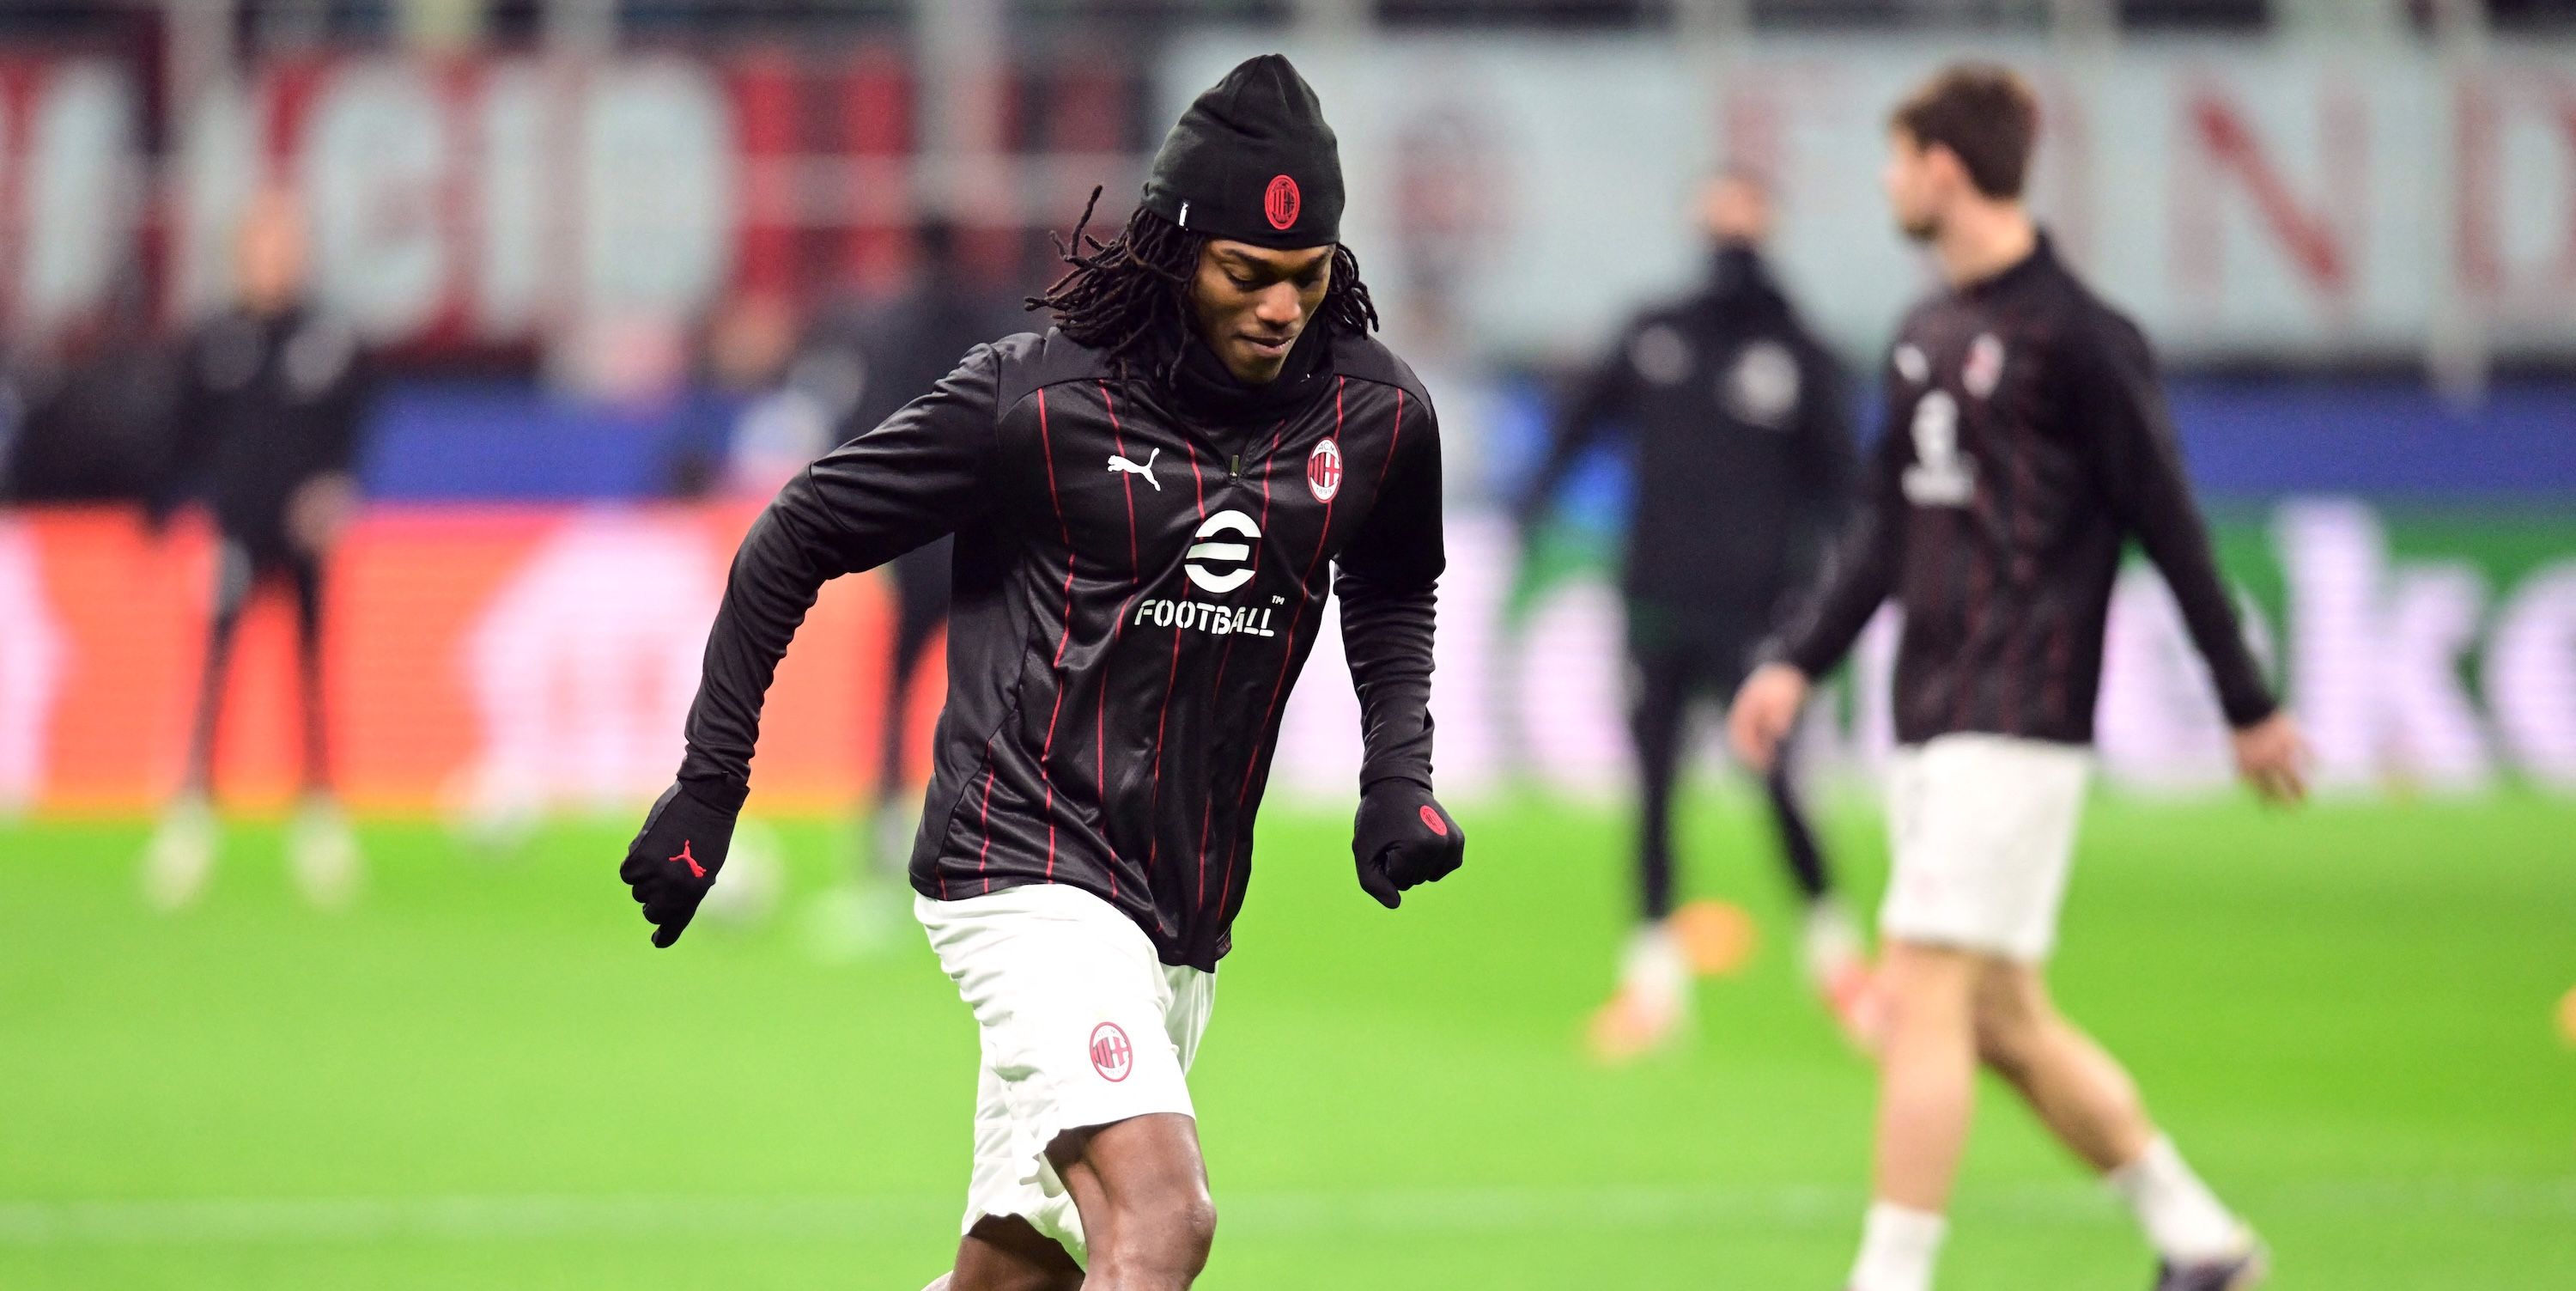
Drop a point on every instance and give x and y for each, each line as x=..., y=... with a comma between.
x=1744, y=461
x=271, y=397
x=2028, y=441
x=879, y=357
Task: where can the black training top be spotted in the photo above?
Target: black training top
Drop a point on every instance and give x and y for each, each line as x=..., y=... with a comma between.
x=1141, y=569
x=1744, y=456
x=2027, y=440
x=267, y=402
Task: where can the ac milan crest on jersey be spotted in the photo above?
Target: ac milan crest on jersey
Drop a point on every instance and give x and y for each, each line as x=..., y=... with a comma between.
x=1985, y=368
x=1280, y=203
x=1324, y=470
x=1111, y=1055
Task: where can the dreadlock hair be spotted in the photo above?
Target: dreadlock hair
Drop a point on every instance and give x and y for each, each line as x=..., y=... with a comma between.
x=1122, y=295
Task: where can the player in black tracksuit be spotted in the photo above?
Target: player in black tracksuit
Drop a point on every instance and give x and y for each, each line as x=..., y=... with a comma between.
x=2027, y=443
x=1150, y=504
x=1743, y=465
x=272, y=397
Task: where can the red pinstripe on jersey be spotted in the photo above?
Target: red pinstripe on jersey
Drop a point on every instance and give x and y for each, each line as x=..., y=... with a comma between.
x=1207, y=812
x=1162, y=718
x=1305, y=584
x=1046, y=446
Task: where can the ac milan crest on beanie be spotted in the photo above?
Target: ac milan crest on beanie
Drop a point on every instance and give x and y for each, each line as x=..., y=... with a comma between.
x=1252, y=161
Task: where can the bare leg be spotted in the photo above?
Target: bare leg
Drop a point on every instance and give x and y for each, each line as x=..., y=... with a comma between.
x=1005, y=1254
x=2089, y=1102
x=2080, y=1092
x=1927, y=1076
x=1141, y=1188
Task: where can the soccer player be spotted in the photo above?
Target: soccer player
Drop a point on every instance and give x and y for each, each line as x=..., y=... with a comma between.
x=268, y=418
x=1147, y=503
x=1738, y=413
x=2027, y=443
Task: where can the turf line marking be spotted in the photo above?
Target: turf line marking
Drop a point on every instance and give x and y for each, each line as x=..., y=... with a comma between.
x=284, y=1220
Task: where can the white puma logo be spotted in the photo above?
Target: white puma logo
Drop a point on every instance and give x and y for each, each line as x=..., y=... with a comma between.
x=1119, y=463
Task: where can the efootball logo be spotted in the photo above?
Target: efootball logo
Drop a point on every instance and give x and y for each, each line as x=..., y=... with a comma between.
x=1221, y=567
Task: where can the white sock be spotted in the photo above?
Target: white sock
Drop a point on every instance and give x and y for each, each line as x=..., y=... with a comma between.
x=1832, y=940
x=2183, y=1218
x=1897, y=1249
x=1654, y=967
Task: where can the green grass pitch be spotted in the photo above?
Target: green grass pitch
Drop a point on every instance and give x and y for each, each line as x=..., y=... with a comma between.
x=484, y=1078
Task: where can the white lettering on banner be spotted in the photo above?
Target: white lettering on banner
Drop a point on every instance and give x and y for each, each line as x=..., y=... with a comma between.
x=219, y=169
x=2516, y=195
x=31, y=668
x=2228, y=156
x=374, y=150
x=582, y=667
x=2531, y=665
x=610, y=191
x=2433, y=726
x=512, y=278
x=658, y=178
x=2158, y=724
x=77, y=204
x=1321, y=719
x=2375, y=655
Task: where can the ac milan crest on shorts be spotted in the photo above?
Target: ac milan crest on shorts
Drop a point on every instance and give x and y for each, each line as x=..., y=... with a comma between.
x=1111, y=1055
x=1081, y=1026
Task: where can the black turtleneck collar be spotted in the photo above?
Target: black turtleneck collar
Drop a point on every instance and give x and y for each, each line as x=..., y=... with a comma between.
x=1738, y=277
x=1735, y=267
x=2042, y=258
x=1204, y=390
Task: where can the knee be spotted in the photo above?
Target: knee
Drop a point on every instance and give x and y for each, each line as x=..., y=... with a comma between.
x=1927, y=987
x=2008, y=1026
x=1187, y=1219
x=1167, y=1230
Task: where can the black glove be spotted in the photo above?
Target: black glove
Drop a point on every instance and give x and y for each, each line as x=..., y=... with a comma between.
x=1403, y=837
x=674, y=859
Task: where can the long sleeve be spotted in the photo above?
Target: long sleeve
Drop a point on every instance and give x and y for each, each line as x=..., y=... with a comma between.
x=1388, y=584
x=1860, y=569
x=344, y=406
x=921, y=473
x=183, y=434
x=2120, y=406
x=1605, y=395
x=1828, y=464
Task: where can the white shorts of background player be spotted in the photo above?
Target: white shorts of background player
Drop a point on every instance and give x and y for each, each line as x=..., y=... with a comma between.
x=1982, y=828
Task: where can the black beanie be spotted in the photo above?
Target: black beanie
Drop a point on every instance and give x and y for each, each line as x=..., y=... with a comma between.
x=1252, y=161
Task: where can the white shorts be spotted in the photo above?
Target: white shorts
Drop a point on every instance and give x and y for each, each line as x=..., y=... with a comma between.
x=1983, y=831
x=1081, y=1025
